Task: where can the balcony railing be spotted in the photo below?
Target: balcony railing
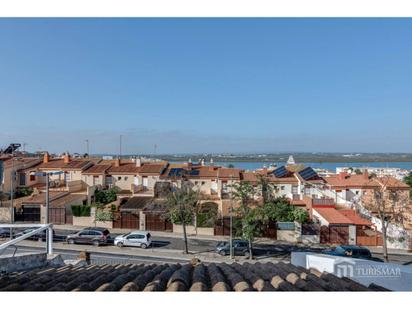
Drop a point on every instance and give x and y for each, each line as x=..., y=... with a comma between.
x=323, y=201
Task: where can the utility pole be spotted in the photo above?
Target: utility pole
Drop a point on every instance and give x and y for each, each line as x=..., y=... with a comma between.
x=120, y=147
x=155, y=148
x=231, y=218
x=87, y=147
x=11, y=194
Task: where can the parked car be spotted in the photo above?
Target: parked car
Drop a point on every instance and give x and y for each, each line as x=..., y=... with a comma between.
x=355, y=252
x=40, y=236
x=95, y=236
x=240, y=247
x=140, y=239
x=5, y=232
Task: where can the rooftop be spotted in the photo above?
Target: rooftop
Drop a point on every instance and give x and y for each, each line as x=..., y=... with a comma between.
x=177, y=277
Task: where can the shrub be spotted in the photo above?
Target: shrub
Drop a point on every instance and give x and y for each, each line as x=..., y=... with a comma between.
x=81, y=210
x=105, y=196
x=103, y=216
x=22, y=192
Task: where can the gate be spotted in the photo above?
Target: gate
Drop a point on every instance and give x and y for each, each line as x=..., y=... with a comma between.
x=270, y=230
x=125, y=220
x=57, y=215
x=222, y=227
x=129, y=220
x=334, y=235
x=31, y=213
x=155, y=222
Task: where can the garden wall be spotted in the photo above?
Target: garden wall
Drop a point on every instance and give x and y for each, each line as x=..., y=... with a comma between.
x=190, y=230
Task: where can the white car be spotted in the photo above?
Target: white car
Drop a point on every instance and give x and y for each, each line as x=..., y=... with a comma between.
x=140, y=239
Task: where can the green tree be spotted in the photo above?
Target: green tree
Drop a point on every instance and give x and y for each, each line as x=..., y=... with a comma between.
x=230, y=165
x=281, y=210
x=105, y=196
x=244, y=192
x=182, y=205
x=408, y=181
x=358, y=171
x=266, y=188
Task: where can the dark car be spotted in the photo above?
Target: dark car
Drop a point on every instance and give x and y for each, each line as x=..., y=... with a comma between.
x=355, y=252
x=95, y=236
x=5, y=232
x=40, y=236
x=240, y=247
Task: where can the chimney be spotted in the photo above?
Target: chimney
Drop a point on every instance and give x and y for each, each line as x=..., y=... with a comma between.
x=365, y=174
x=138, y=162
x=66, y=158
x=342, y=175
x=46, y=157
x=117, y=162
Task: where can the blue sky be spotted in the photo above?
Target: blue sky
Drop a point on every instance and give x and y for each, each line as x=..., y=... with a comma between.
x=207, y=85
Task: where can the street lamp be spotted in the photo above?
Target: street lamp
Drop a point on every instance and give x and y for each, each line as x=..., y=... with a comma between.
x=231, y=218
x=47, y=174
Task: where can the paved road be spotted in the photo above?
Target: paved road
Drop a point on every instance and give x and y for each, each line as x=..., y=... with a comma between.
x=277, y=249
x=102, y=258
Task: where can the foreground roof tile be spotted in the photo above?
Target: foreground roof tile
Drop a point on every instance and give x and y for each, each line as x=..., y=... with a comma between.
x=178, y=277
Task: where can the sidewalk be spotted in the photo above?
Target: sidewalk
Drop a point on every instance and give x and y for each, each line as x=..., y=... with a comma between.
x=68, y=227
x=172, y=254
x=390, y=251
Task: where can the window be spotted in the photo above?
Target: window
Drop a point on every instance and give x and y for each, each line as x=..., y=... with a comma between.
x=22, y=179
x=356, y=192
x=85, y=233
x=282, y=188
x=32, y=177
x=125, y=178
x=203, y=182
x=109, y=180
x=294, y=189
x=135, y=236
x=196, y=182
x=119, y=178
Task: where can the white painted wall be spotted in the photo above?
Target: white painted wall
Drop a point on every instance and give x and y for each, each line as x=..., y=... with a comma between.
x=391, y=276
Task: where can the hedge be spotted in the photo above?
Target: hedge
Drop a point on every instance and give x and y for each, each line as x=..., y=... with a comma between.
x=81, y=210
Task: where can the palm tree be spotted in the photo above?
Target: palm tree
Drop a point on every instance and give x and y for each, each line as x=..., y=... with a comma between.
x=181, y=206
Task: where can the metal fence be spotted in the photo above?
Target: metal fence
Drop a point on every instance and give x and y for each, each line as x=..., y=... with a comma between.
x=289, y=226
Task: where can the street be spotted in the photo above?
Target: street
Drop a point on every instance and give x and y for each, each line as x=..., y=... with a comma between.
x=169, y=249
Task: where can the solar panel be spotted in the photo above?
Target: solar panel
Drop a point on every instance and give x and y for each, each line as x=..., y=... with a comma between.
x=175, y=172
x=280, y=172
x=194, y=172
x=308, y=173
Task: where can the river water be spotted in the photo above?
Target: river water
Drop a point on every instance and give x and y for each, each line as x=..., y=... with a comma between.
x=331, y=166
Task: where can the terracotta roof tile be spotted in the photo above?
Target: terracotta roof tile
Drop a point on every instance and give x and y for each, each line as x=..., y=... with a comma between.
x=179, y=277
x=152, y=168
x=74, y=164
x=97, y=169
x=354, y=217
x=332, y=215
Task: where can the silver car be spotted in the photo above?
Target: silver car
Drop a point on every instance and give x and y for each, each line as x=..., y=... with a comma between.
x=140, y=239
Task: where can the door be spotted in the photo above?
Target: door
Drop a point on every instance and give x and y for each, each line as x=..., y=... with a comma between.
x=145, y=182
x=31, y=213
x=213, y=186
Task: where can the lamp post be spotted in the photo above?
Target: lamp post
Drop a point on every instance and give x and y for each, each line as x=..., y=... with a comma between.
x=49, y=234
x=231, y=218
x=11, y=195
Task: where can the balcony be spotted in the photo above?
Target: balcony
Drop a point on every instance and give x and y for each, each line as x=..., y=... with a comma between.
x=323, y=202
x=141, y=190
